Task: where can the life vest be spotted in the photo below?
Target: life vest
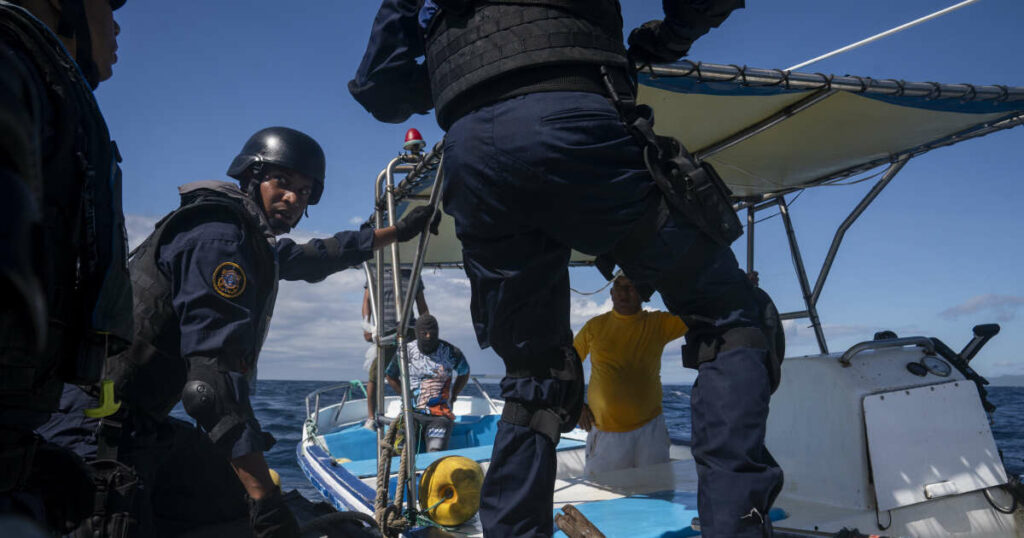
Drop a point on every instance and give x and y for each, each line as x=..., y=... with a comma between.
x=82, y=247
x=497, y=49
x=150, y=376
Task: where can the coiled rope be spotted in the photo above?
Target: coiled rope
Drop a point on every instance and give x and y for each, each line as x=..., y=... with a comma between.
x=389, y=516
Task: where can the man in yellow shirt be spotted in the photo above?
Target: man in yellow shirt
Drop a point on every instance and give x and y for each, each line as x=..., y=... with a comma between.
x=623, y=413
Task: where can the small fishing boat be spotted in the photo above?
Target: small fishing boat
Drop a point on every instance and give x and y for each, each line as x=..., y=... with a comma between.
x=890, y=436
x=338, y=455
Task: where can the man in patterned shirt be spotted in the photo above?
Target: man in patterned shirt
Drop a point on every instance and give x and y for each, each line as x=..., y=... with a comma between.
x=438, y=371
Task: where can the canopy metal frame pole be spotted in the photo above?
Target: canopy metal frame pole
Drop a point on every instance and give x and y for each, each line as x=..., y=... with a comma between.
x=424, y=240
x=837, y=240
x=751, y=212
x=767, y=123
x=801, y=274
x=792, y=80
x=810, y=295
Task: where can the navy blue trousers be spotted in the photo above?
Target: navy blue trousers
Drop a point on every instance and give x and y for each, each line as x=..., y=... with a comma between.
x=528, y=179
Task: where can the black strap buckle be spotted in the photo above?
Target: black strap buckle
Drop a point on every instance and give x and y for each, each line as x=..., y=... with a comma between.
x=621, y=89
x=108, y=437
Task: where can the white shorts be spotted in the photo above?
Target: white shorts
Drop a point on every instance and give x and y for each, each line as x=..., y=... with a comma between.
x=646, y=445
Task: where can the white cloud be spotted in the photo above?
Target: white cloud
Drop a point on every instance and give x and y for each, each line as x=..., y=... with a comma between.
x=317, y=334
x=582, y=309
x=999, y=307
x=138, y=228
x=356, y=221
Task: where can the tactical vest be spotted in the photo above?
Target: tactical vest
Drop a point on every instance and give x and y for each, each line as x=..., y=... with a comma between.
x=499, y=49
x=81, y=251
x=150, y=376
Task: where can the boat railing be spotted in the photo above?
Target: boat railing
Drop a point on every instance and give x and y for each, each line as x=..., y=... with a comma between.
x=919, y=341
x=314, y=400
x=483, y=392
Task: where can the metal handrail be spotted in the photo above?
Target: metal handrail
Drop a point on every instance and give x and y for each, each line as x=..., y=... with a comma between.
x=314, y=413
x=490, y=402
x=919, y=341
x=386, y=196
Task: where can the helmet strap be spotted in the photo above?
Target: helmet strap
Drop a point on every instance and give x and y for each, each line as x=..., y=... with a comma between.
x=73, y=24
x=252, y=190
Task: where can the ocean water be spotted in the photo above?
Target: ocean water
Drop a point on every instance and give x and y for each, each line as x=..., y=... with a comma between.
x=280, y=407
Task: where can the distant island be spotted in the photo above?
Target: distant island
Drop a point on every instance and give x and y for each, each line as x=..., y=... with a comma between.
x=1007, y=381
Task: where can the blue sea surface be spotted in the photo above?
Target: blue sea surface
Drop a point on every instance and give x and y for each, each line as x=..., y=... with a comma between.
x=280, y=407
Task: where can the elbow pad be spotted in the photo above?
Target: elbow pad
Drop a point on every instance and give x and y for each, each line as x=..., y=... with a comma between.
x=215, y=400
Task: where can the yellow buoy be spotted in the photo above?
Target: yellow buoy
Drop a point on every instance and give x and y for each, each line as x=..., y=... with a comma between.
x=276, y=478
x=450, y=487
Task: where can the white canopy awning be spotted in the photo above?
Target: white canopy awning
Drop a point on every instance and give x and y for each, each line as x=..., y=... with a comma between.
x=769, y=132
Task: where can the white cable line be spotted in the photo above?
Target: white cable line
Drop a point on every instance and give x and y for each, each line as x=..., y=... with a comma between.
x=886, y=33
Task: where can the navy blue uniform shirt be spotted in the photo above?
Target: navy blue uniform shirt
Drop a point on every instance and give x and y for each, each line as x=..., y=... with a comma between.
x=221, y=308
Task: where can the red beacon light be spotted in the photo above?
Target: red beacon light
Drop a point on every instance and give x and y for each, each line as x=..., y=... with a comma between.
x=413, y=141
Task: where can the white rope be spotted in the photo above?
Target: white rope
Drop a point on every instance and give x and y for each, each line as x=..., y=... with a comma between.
x=886, y=33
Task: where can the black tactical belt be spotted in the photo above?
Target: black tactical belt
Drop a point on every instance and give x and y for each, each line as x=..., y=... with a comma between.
x=550, y=78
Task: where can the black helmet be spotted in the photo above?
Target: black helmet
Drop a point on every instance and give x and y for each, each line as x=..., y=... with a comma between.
x=283, y=147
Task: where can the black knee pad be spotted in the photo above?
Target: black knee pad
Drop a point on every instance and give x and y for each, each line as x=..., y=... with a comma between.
x=572, y=402
x=560, y=417
x=704, y=342
x=771, y=325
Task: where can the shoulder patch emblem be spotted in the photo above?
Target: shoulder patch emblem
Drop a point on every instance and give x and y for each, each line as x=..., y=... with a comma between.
x=229, y=280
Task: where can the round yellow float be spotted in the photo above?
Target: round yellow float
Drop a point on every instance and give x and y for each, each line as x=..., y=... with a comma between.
x=450, y=487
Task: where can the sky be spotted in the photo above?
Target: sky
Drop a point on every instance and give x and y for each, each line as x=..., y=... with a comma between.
x=938, y=252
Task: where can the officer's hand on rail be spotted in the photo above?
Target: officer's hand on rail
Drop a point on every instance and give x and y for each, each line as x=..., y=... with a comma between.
x=586, y=418
x=271, y=518
x=654, y=42
x=415, y=222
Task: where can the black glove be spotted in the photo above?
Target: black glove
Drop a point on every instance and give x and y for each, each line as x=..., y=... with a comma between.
x=654, y=42
x=271, y=518
x=415, y=222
